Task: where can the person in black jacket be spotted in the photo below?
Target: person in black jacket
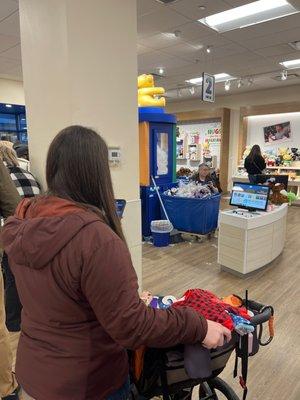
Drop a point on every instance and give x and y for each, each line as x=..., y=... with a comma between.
x=254, y=164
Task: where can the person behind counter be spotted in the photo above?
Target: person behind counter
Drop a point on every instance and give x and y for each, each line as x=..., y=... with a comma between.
x=205, y=177
x=254, y=164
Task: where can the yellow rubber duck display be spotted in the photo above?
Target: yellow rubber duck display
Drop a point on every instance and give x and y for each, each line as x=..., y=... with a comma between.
x=148, y=93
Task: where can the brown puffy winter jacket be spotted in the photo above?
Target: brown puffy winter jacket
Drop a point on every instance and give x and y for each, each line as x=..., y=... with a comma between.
x=81, y=304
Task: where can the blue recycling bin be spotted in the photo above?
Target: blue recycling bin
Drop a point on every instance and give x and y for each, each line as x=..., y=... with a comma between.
x=193, y=215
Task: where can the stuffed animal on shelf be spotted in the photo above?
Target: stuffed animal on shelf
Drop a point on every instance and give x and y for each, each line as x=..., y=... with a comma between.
x=148, y=94
x=277, y=196
x=183, y=172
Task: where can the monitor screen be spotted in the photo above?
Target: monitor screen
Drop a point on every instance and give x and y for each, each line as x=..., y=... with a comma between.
x=253, y=197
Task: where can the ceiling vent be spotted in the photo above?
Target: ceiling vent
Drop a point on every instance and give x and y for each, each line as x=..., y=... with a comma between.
x=289, y=77
x=295, y=45
x=166, y=1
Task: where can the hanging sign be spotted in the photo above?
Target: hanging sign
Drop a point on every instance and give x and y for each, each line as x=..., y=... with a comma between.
x=208, y=87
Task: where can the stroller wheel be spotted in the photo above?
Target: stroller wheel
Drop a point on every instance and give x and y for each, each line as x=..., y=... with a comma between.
x=216, y=389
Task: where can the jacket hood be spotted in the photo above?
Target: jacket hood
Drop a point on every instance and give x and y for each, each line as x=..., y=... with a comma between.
x=41, y=228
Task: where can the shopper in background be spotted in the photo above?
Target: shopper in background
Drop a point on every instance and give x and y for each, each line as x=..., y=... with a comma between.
x=27, y=186
x=77, y=284
x=254, y=164
x=204, y=177
x=23, y=155
x=9, y=199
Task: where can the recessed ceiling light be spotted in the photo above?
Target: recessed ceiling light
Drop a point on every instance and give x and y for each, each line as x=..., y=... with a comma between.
x=227, y=85
x=208, y=49
x=249, y=14
x=8, y=105
x=202, y=8
x=284, y=75
x=291, y=64
x=161, y=71
x=222, y=77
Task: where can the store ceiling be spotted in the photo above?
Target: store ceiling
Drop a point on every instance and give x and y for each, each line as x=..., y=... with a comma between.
x=250, y=52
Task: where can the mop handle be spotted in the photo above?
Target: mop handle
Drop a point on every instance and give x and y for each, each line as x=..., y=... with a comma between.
x=160, y=199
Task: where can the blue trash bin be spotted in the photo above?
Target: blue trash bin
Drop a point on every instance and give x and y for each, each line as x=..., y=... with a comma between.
x=161, y=230
x=193, y=215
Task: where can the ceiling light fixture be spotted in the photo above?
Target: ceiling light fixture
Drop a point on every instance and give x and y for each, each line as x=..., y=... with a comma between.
x=192, y=90
x=202, y=8
x=208, y=49
x=249, y=14
x=240, y=83
x=227, y=85
x=161, y=71
x=291, y=64
x=8, y=105
x=222, y=77
x=284, y=75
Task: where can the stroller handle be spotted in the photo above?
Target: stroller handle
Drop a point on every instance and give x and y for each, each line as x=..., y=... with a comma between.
x=264, y=313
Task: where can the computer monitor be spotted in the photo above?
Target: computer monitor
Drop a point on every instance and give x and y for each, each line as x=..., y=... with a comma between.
x=264, y=178
x=251, y=197
x=120, y=206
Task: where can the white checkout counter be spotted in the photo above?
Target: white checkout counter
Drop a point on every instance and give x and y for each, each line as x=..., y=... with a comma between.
x=248, y=241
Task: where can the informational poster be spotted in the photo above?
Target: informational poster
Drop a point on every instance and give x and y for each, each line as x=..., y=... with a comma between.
x=208, y=88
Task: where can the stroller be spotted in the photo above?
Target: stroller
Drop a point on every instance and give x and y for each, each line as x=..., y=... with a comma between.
x=164, y=373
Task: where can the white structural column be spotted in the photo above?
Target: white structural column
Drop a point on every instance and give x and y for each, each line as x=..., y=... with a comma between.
x=80, y=67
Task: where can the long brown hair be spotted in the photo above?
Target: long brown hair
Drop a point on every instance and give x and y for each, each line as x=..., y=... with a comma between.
x=78, y=170
x=255, y=151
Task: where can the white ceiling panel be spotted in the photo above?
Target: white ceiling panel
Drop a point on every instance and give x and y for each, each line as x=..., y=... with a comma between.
x=163, y=20
x=7, y=7
x=238, y=3
x=270, y=27
x=149, y=62
x=215, y=40
x=278, y=50
x=273, y=39
x=185, y=51
x=143, y=49
x=14, y=53
x=160, y=41
x=190, y=8
x=7, y=42
x=11, y=25
x=6, y=65
x=147, y=6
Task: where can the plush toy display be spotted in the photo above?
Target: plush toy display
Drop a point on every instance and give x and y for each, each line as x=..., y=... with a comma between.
x=148, y=94
x=278, y=196
x=183, y=171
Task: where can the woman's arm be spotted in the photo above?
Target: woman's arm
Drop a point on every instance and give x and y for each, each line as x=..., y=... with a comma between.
x=109, y=283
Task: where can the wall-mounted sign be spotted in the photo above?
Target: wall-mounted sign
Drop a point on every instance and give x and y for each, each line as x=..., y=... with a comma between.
x=208, y=87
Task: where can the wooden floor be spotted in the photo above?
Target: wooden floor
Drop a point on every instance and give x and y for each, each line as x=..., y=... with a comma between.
x=274, y=373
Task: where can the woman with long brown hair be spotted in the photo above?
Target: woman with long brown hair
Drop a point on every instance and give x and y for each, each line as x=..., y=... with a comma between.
x=254, y=164
x=78, y=286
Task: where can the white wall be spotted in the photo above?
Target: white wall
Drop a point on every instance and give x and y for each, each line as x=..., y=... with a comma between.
x=257, y=123
x=11, y=92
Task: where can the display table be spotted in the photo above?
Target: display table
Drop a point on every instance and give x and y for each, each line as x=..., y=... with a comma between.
x=249, y=241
